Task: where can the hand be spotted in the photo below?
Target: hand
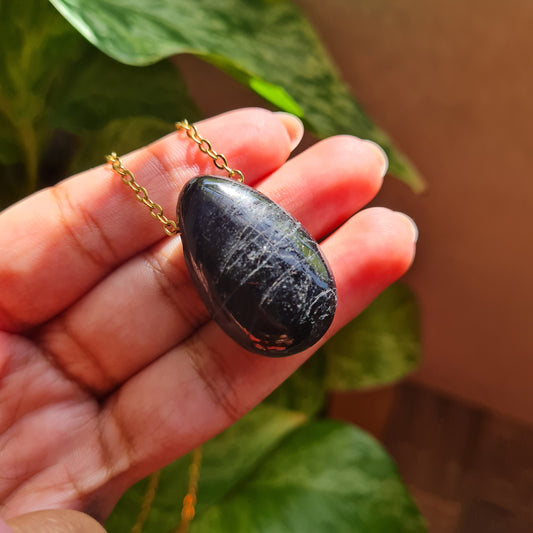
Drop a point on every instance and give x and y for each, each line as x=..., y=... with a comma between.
x=110, y=367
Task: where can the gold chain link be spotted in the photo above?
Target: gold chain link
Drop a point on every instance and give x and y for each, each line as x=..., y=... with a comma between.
x=189, y=502
x=219, y=160
x=141, y=194
x=147, y=502
x=171, y=228
x=204, y=146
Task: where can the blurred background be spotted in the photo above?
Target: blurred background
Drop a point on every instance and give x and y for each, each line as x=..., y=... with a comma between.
x=462, y=427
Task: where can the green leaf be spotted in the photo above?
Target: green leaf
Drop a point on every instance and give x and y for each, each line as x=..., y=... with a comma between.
x=380, y=346
x=120, y=136
x=233, y=455
x=100, y=90
x=134, y=106
x=266, y=44
x=33, y=40
x=116, y=107
x=325, y=476
x=272, y=472
x=227, y=459
x=50, y=77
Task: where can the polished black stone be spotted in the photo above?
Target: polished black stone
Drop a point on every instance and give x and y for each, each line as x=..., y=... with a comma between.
x=257, y=269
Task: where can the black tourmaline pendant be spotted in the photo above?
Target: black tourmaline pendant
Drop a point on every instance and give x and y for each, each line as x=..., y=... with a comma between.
x=258, y=271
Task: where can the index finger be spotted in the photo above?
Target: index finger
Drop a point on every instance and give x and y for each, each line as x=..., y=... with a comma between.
x=58, y=243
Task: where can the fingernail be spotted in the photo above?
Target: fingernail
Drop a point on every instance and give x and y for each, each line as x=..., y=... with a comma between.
x=294, y=127
x=382, y=156
x=412, y=225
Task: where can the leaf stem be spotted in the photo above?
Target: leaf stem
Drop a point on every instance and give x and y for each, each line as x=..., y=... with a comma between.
x=28, y=141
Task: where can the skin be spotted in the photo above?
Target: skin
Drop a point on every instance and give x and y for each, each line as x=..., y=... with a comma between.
x=110, y=366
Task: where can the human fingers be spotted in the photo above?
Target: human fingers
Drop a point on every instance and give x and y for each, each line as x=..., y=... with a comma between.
x=4, y=528
x=60, y=242
x=149, y=304
x=201, y=387
x=53, y=521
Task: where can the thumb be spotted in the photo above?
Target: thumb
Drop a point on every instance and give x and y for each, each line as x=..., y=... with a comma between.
x=52, y=521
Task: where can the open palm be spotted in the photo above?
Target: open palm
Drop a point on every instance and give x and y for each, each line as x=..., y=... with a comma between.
x=110, y=366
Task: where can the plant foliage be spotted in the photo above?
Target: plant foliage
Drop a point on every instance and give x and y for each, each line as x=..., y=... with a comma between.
x=267, y=45
x=280, y=468
x=276, y=472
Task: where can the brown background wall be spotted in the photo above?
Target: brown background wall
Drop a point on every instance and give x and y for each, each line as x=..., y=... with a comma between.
x=452, y=83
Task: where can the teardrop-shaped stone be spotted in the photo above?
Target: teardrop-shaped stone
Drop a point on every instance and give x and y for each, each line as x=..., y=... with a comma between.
x=257, y=269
